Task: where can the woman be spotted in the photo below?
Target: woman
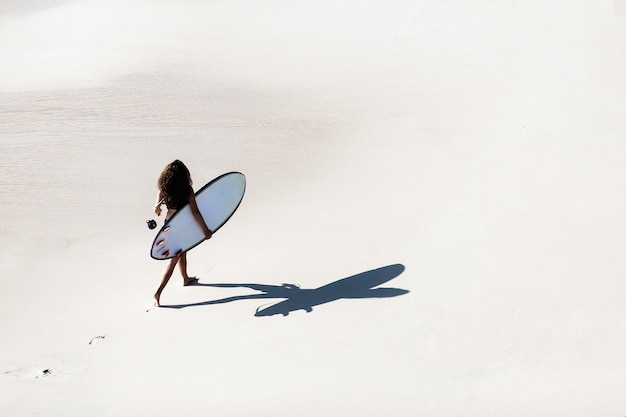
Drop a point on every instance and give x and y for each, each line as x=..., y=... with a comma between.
x=175, y=191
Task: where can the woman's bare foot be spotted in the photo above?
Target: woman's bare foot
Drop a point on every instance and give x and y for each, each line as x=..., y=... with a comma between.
x=190, y=281
x=157, y=298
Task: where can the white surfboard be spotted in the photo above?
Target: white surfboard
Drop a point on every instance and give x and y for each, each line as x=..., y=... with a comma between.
x=217, y=202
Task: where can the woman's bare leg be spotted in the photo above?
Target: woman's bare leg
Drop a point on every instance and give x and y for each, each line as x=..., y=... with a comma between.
x=182, y=266
x=167, y=274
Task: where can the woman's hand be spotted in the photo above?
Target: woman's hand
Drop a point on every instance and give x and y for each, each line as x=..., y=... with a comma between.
x=157, y=210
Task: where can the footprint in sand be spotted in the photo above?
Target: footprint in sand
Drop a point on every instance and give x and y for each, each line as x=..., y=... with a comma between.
x=29, y=372
x=96, y=339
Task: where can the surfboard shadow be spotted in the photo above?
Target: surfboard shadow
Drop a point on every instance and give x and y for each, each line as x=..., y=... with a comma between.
x=353, y=287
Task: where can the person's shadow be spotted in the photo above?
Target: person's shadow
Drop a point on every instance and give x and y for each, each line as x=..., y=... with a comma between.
x=356, y=286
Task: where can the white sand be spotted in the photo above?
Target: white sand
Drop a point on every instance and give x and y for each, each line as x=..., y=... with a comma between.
x=479, y=144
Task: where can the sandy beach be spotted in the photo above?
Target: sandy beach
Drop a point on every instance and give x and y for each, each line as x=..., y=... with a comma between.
x=433, y=223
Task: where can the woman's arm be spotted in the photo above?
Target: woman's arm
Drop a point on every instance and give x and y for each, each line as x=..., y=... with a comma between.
x=198, y=216
x=159, y=202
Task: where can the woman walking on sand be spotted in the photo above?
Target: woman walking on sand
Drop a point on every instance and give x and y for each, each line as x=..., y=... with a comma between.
x=175, y=191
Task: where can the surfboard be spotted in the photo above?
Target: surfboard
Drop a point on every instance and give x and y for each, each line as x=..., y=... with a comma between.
x=217, y=201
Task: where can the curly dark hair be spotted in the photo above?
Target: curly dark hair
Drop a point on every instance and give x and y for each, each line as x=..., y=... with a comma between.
x=175, y=184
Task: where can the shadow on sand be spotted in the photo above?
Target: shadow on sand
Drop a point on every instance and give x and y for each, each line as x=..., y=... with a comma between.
x=356, y=286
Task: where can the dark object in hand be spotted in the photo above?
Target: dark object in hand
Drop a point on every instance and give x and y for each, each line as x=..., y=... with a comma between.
x=151, y=224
